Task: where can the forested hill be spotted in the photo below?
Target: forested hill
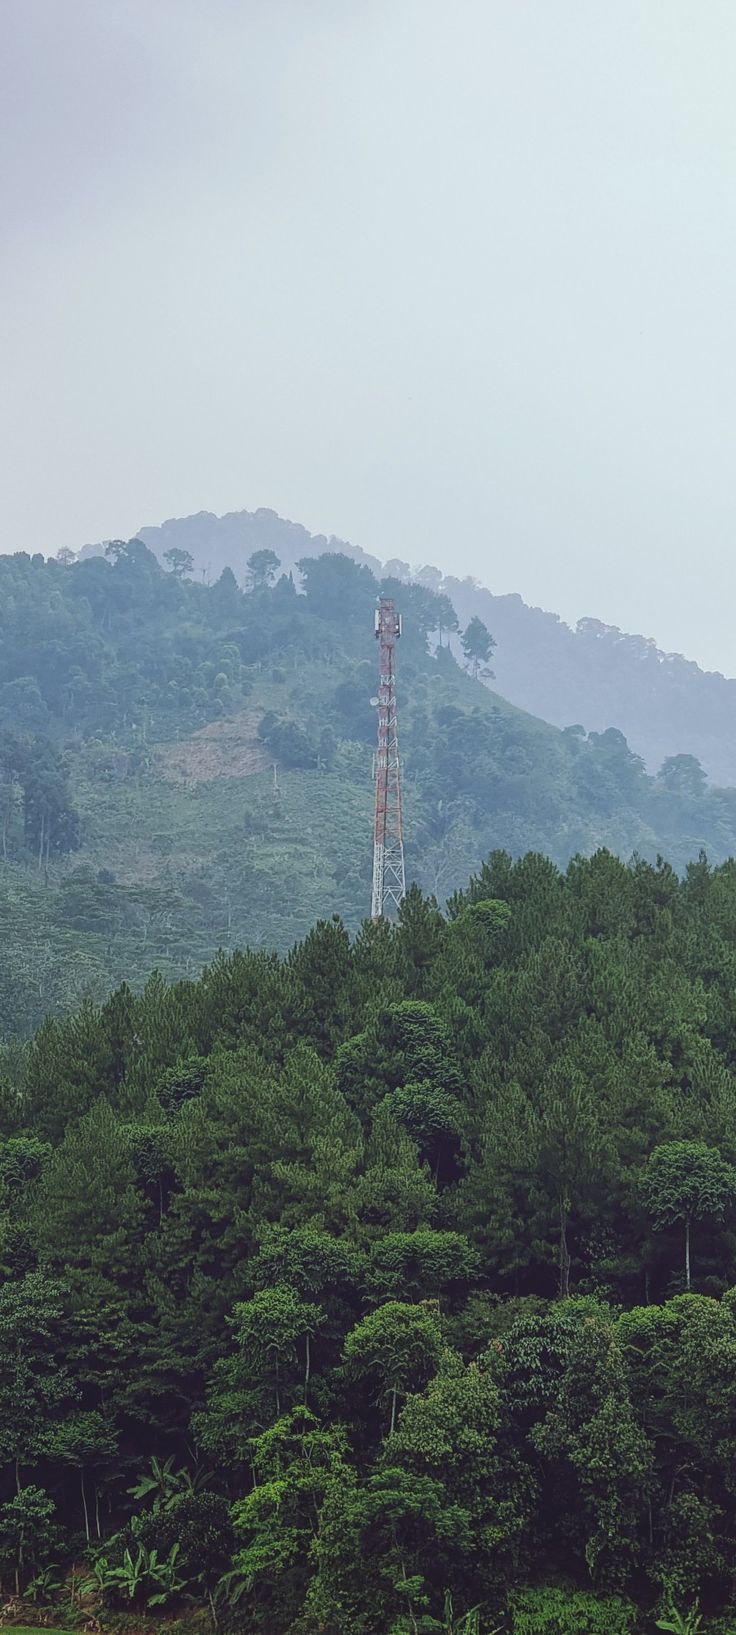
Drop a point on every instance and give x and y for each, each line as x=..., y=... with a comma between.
x=595, y=674
x=347, y=1293
x=185, y=767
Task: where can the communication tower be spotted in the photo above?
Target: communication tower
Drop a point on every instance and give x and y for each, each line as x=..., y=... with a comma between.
x=389, y=880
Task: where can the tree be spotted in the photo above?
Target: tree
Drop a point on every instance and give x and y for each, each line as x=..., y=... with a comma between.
x=680, y=1360
x=23, y=706
x=85, y=1440
x=308, y=1259
x=571, y=1152
x=33, y=1385
x=421, y=1265
x=336, y=588
x=374, y=1537
x=27, y=1530
x=447, y=618
x=683, y=775
x=180, y=562
x=453, y=1434
x=591, y=1424
x=687, y=1181
x=9, y=801
x=278, y=1523
x=433, y=1119
x=263, y=567
x=477, y=644
x=397, y=1347
x=115, y=549
x=264, y=1372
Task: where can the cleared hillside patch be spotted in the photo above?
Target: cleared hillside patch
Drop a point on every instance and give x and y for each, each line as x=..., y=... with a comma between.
x=222, y=749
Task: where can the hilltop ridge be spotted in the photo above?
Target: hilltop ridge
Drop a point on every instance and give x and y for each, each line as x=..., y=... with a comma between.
x=595, y=674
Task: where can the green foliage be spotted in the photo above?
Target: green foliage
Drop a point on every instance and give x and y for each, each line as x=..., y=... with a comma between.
x=28, y=1532
x=162, y=1483
x=397, y=1348
x=141, y=1578
x=194, y=1530
x=679, y=1623
x=553, y=1611
x=44, y=1586
x=382, y=1234
x=687, y=1181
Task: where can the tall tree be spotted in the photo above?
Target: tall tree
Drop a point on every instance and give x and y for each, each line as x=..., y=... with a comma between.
x=687, y=1181
x=477, y=645
x=263, y=567
x=180, y=562
x=397, y=1347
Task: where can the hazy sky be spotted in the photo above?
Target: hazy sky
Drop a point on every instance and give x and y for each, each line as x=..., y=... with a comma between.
x=456, y=281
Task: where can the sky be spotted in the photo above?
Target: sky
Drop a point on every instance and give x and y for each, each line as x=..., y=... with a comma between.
x=454, y=282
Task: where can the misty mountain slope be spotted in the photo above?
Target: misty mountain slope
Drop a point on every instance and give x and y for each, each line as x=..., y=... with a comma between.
x=595, y=674
x=185, y=767
x=600, y=676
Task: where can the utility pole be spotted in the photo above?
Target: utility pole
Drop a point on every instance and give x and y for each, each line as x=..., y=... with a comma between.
x=389, y=880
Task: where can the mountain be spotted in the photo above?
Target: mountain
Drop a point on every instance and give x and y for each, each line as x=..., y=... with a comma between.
x=185, y=767
x=595, y=675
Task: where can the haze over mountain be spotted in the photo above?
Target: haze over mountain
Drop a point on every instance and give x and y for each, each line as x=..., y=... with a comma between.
x=594, y=675
x=462, y=275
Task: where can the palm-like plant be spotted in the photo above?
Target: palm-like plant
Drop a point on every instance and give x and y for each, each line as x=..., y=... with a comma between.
x=679, y=1623
x=99, y=1577
x=137, y=1574
x=467, y=1624
x=44, y=1585
x=167, y=1575
x=232, y=1586
x=129, y=1577
x=163, y=1483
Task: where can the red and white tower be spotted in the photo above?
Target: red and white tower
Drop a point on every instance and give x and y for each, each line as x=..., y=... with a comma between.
x=389, y=880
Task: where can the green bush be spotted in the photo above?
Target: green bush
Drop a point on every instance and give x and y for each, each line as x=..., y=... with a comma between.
x=200, y=1524
x=554, y=1611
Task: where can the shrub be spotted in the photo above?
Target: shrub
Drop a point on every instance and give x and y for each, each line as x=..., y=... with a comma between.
x=551, y=1610
x=200, y=1524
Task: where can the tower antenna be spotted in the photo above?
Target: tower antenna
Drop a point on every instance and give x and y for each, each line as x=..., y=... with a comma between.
x=389, y=880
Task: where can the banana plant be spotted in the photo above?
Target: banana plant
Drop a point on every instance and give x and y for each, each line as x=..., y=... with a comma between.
x=163, y=1483
x=678, y=1623
x=467, y=1624
x=99, y=1577
x=129, y=1578
x=232, y=1587
x=45, y=1585
x=167, y=1575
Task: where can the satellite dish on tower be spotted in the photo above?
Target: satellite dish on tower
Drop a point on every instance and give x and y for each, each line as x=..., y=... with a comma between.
x=373, y=701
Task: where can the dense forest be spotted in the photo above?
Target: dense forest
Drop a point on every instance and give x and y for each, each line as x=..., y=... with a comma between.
x=387, y=1286
x=187, y=767
x=595, y=673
